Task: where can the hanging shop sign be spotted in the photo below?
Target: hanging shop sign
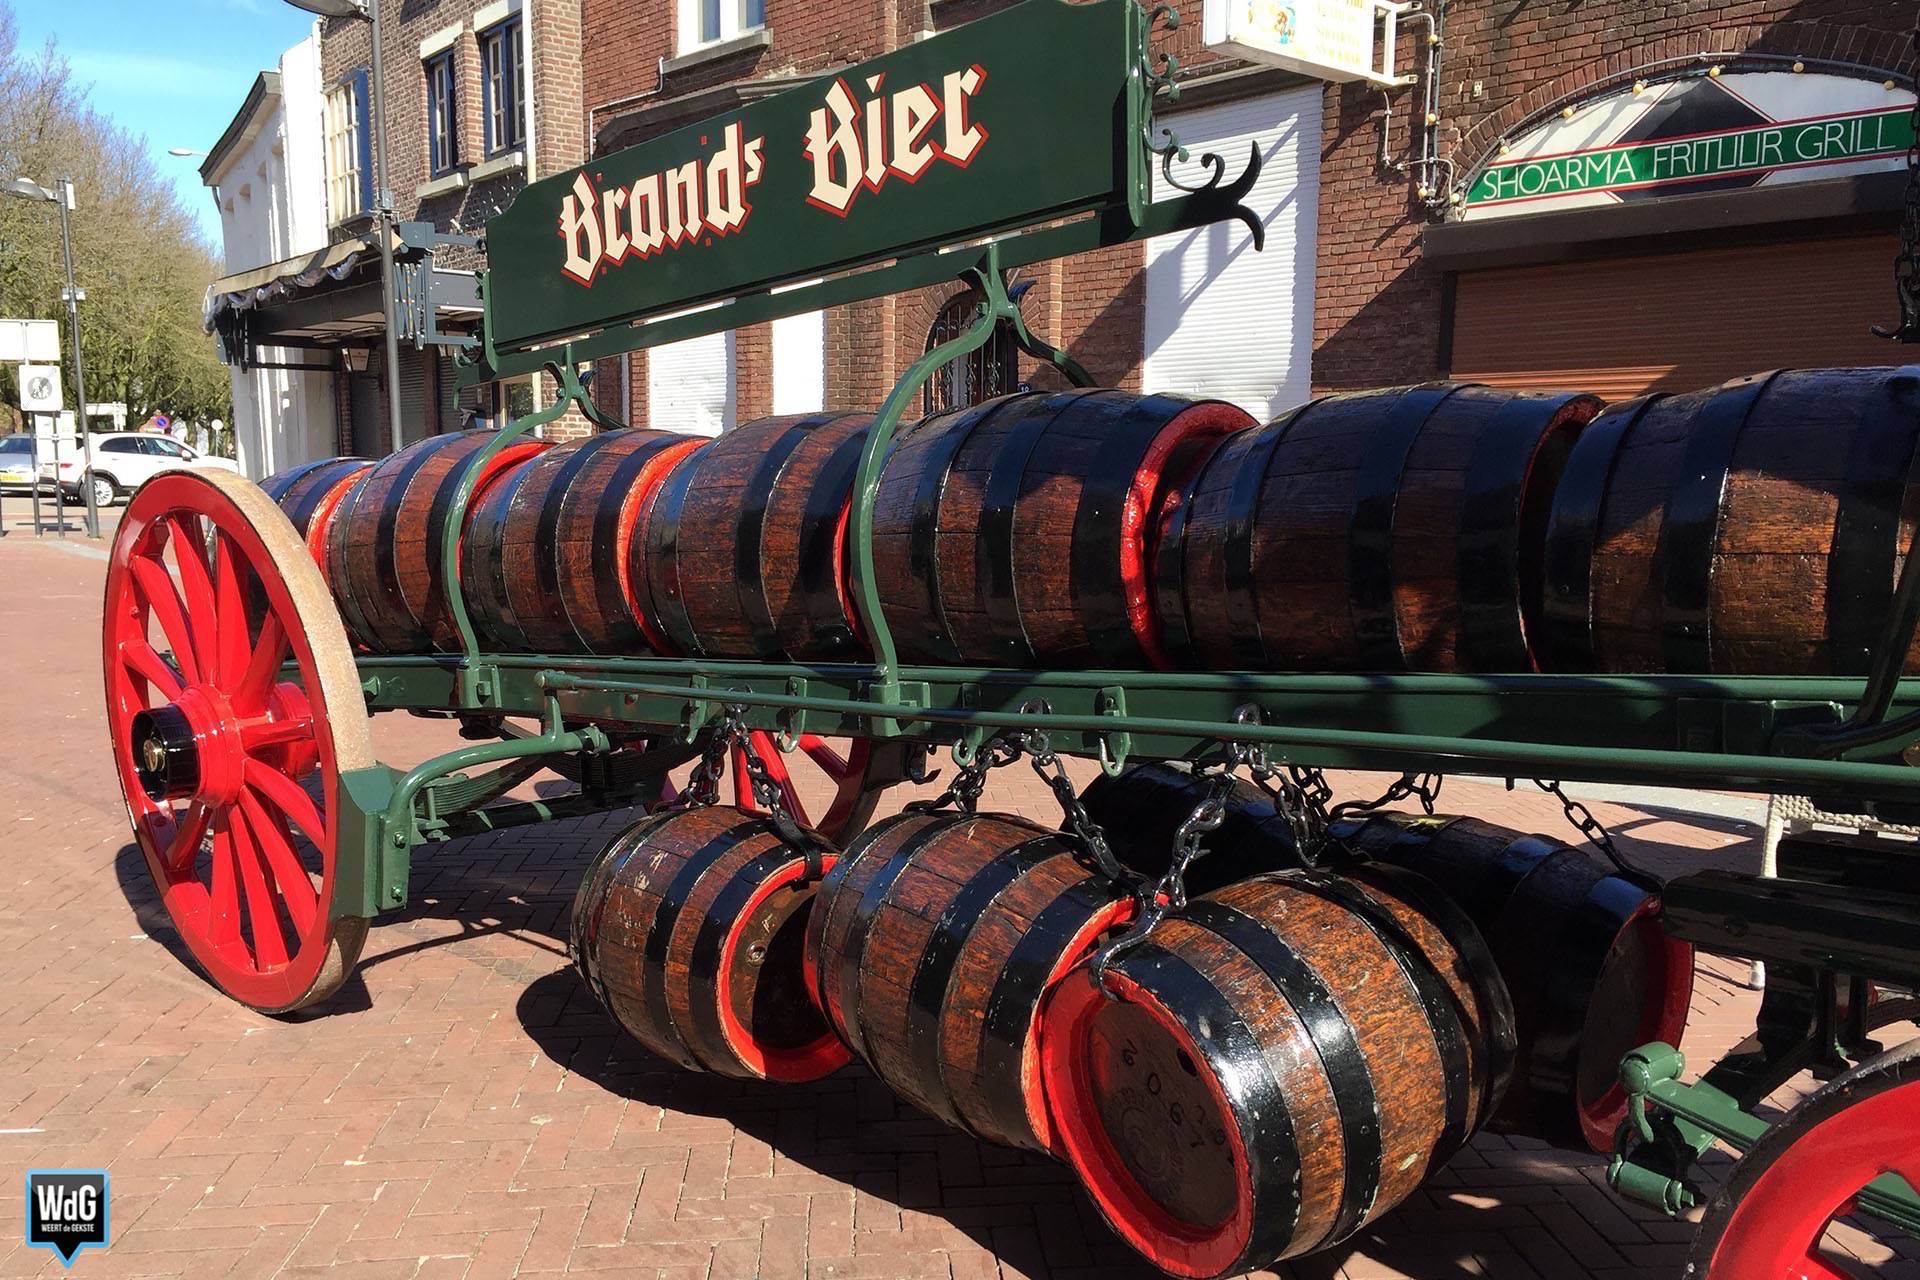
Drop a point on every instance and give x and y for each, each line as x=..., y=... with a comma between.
x=1027, y=115
x=1337, y=40
x=1730, y=132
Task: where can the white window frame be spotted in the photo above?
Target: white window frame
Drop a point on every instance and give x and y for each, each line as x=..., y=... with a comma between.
x=443, y=71
x=515, y=77
x=733, y=21
x=342, y=133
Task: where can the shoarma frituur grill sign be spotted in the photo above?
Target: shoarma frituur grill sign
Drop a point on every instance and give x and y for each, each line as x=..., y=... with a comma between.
x=1027, y=115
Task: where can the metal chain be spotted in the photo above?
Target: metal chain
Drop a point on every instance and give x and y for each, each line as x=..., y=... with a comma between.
x=1053, y=771
x=1424, y=785
x=1170, y=892
x=1595, y=831
x=1906, y=263
x=963, y=793
x=703, y=787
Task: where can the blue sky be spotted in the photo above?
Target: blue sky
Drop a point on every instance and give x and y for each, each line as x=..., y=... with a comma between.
x=173, y=70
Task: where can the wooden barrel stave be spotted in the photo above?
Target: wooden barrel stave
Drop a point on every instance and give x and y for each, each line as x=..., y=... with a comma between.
x=543, y=562
x=690, y=927
x=1591, y=973
x=311, y=493
x=1388, y=530
x=1703, y=533
x=933, y=948
x=384, y=547
x=1285, y=1059
x=756, y=566
x=1017, y=531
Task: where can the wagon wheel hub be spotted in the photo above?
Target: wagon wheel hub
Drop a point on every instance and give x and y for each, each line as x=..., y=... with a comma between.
x=197, y=747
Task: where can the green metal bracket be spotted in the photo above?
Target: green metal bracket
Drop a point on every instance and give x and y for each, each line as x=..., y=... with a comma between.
x=1113, y=748
x=362, y=881
x=1670, y=1125
x=985, y=275
x=792, y=720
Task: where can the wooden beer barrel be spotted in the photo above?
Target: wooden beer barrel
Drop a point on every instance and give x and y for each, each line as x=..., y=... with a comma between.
x=544, y=562
x=384, y=548
x=1016, y=532
x=311, y=493
x=1276, y=1065
x=1755, y=528
x=1591, y=972
x=933, y=945
x=1393, y=530
x=689, y=928
x=744, y=547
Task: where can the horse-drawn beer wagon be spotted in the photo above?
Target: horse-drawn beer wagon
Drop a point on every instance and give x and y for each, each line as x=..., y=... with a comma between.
x=1250, y=1019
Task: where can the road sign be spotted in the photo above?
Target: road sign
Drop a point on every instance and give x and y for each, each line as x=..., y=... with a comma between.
x=35, y=340
x=40, y=388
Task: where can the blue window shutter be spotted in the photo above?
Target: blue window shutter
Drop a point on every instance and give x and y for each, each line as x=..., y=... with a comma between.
x=363, y=126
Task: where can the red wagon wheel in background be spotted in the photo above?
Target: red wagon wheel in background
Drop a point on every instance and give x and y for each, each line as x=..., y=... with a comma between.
x=1771, y=1220
x=230, y=773
x=852, y=770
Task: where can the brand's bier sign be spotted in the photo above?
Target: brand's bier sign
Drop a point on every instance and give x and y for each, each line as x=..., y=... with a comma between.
x=1710, y=133
x=976, y=130
x=1327, y=39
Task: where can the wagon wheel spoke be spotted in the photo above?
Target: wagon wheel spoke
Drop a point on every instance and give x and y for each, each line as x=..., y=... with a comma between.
x=188, y=831
x=155, y=590
x=816, y=749
x=269, y=651
x=289, y=877
x=223, y=895
x=145, y=661
x=263, y=919
x=196, y=588
x=283, y=793
x=233, y=660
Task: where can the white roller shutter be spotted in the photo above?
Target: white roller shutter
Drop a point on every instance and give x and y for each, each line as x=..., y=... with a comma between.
x=690, y=385
x=800, y=363
x=1223, y=320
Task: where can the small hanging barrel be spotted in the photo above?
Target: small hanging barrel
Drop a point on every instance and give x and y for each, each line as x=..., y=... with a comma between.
x=544, y=563
x=1391, y=530
x=384, y=549
x=933, y=945
x=1016, y=532
x=744, y=548
x=1755, y=528
x=311, y=493
x=1141, y=811
x=1276, y=1065
x=689, y=927
x=1593, y=975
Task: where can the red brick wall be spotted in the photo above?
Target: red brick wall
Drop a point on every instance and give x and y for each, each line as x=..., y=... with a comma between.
x=1379, y=312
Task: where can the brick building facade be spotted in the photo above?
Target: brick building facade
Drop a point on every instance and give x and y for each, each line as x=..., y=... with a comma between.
x=1383, y=280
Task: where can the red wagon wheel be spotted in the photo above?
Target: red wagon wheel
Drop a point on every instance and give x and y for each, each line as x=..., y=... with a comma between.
x=852, y=775
x=1772, y=1218
x=231, y=773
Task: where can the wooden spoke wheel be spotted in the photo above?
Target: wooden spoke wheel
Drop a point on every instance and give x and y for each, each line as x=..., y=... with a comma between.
x=1772, y=1219
x=854, y=772
x=231, y=773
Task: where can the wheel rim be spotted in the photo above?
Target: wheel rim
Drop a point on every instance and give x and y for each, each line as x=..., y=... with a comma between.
x=854, y=796
x=102, y=492
x=230, y=774
x=1770, y=1222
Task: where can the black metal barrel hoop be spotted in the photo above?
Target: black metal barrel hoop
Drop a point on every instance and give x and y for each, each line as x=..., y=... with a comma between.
x=1690, y=529
x=750, y=522
x=1249, y=478
x=546, y=530
x=999, y=583
x=1867, y=545
x=1376, y=489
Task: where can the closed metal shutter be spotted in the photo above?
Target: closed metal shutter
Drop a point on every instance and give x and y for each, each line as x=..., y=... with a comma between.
x=1221, y=319
x=1619, y=327
x=419, y=411
x=690, y=385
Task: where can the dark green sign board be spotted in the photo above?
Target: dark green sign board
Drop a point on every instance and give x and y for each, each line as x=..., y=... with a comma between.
x=1020, y=117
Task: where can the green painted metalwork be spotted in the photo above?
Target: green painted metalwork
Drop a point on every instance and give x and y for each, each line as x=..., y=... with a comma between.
x=1670, y=1125
x=1027, y=115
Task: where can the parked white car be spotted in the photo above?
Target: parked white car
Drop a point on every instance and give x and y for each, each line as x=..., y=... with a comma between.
x=123, y=461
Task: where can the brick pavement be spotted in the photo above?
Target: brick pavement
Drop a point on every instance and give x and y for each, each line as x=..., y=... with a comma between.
x=463, y=1109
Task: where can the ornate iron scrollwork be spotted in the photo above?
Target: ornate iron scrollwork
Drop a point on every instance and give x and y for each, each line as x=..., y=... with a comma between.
x=1163, y=78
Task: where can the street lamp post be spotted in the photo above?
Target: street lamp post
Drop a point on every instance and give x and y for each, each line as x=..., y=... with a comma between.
x=383, y=194
x=28, y=190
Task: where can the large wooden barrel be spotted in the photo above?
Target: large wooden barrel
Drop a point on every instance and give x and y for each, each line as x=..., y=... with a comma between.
x=1276, y=1065
x=744, y=547
x=311, y=493
x=1016, y=532
x=545, y=562
x=1393, y=530
x=933, y=945
x=689, y=927
x=384, y=549
x=1592, y=973
x=1755, y=528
